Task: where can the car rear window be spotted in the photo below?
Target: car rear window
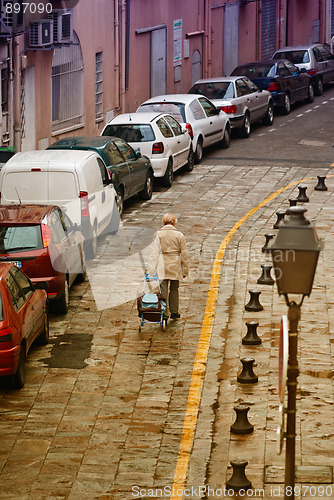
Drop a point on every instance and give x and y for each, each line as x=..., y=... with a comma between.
x=256, y=71
x=20, y=238
x=39, y=186
x=214, y=90
x=131, y=133
x=176, y=109
x=294, y=56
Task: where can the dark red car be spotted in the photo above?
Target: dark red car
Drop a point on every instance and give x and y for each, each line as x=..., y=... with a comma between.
x=23, y=319
x=43, y=242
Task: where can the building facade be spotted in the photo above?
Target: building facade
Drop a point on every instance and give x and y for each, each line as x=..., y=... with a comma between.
x=75, y=64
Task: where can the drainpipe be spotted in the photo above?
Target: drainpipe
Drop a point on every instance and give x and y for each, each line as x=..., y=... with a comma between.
x=116, y=56
x=321, y=22
x=123, y=54
x=206, y=39
x=16, y=96
x=258, y=31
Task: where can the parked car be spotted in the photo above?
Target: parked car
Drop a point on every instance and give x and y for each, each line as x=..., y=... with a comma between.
x=283, y=79
x=78, y=180
x=205, y=123
x=23, y=319
x=43, y=242
x=240, y=99
x=316, y=59
x=131, y=173
x=159, y=137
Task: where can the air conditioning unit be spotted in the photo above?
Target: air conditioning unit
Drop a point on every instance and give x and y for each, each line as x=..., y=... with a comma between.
x=41, y=33
x=62, y=26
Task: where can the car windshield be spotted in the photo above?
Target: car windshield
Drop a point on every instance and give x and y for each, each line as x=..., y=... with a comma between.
x=131, y=133
x=20, y=238
x=214, y=90
x=176, y=109
x=256, y=71
x=294, y=56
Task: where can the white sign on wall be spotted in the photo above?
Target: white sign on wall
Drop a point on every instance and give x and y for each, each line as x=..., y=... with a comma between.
x=177, y=42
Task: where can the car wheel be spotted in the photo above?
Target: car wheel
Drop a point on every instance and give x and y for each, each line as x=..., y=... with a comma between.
x=119, y=199
x=269, y=118
x=318, y=87
x=18, y=379
x=91, y=244
x=225, y=142
x=168, y=178
x=63, y=302
x=81, y=277
x=286, y=108
x=146, y=193
x=43, y=339
x=246, y=127
x=310, y=93
x=199, y=150
x=189, y=166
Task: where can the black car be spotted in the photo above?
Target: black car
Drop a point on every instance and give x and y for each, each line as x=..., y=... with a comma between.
x=284, y=80
x=131, y=173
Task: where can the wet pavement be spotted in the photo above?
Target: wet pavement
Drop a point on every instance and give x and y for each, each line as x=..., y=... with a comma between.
x=102, y=413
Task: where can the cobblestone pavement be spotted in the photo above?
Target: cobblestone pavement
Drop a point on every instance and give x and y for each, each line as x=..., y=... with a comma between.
x=102, y=413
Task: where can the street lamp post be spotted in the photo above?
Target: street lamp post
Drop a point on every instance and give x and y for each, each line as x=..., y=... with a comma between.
x=295, y=253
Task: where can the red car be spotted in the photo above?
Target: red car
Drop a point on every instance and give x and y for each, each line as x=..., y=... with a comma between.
x=43, y=242
x=23, y=319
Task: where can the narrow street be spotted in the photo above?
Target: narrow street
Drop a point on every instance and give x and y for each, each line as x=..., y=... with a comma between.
x=102, y=414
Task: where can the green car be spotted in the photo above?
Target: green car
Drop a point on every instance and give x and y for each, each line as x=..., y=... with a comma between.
x=131, y=173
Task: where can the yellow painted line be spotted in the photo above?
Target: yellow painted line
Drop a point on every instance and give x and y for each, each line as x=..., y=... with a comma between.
x=199, y=367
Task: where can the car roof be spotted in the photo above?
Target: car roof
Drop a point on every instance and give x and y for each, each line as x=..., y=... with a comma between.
x=298, y=47
x=45, y=155
x=24, y=214
x=97, y=142
x=137, y=118
x=261, y=63
x=218, y=79
x=180, y=98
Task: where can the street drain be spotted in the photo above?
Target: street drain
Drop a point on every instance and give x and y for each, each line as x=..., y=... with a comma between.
x=70, y=351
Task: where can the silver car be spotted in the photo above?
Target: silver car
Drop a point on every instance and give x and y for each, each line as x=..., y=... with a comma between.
x=240, y=98
x=315, y=59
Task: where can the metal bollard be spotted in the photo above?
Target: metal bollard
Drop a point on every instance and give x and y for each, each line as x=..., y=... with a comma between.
x=280, y=217
x=321, y=183
x=247, y=376
x=293, y=202
x=265, y=278
x=251, y=337
x=269, y=237
x=238, y=480
x=254, y=302
x=302, y=197
x=241, y=424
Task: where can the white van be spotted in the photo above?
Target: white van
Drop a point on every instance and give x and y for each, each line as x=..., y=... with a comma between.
x=76, y=180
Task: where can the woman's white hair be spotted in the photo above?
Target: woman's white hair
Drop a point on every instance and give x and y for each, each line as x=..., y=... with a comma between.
x=169, y=219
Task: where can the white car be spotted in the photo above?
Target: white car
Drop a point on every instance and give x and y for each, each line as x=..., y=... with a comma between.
x=240, y=98
x=159, y=137
x=205, y=123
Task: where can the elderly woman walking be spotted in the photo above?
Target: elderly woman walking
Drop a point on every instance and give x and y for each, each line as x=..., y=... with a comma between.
x=169, y=259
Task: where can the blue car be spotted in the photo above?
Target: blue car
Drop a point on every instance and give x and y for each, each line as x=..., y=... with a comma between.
x=284, y=80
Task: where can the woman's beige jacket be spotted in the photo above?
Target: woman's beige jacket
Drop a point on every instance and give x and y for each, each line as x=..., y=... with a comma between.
x=168, y=257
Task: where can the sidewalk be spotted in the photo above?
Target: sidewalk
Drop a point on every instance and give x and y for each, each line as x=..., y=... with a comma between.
x=315, y=416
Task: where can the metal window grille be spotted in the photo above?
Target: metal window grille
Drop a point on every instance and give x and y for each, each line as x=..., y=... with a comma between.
x=67, y=86
x=98, y=85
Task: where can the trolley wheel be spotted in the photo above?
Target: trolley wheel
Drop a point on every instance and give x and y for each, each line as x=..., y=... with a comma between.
x=139, y=327
x=164, y=324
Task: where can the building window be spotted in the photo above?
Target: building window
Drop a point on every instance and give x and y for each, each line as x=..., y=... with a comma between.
x=4, y=90
x=98, y=86
x=67, y=86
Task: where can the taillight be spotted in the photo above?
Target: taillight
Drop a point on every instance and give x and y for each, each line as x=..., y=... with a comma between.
x=158, y=148
x=6, y=335
x=190, y=130
x=84, y=204
x=229, y=109
x=312, y=71
x=273, y=87
x=46, y=235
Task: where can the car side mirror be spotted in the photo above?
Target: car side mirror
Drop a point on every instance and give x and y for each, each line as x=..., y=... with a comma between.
x=138, y=154
x=302, y=70
x=41, y=285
